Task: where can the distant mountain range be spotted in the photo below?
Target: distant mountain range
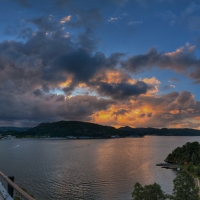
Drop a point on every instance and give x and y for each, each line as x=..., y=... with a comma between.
x=10, y=128
x=162, y=131
x=80, y=129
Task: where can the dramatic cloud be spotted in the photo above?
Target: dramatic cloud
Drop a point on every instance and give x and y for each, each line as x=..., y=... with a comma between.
x=32, y=72
x=75, y=61
x=30, y=109
x=121, y=90
x=171, y=110
x=182, y=60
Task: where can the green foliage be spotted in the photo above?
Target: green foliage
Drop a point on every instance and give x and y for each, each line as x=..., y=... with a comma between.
x=73, y=128
x=190, y=152
x=189, y=167
x=197, y=171
x=17, y=198
x=184, y=187
x=194, y=158
x=148, y=192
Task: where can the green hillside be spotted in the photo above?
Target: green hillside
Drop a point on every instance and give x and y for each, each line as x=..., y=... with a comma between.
x=163, y=131
x=190, y=152
x=73, y=128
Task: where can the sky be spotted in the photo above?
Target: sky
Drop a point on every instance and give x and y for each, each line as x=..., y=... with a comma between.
x=112, y=62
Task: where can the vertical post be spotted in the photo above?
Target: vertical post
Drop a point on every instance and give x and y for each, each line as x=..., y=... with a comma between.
x=10, y=188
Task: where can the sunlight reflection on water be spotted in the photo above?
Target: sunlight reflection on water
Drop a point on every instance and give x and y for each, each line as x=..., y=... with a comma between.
x=88, y=169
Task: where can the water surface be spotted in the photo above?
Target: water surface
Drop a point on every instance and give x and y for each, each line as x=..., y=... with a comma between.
x=88, y=169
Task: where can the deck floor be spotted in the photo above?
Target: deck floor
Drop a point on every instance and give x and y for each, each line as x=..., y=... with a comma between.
x=4, y=194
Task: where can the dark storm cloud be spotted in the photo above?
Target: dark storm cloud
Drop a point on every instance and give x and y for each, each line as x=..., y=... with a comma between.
x=195, y=75
x=80, y=63
x=83, y=69
x=139, y=63
x=177, y=62
x=40, y=108
x=121, y=90
x=52, y=57
x=31, y=70
x=48, y=57
x=87, y=40
x=82, y=107
x=182, y=60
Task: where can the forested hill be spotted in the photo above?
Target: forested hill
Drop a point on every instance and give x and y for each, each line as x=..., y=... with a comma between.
x=190, y=152
x=78, y=128
x=73, y=128
x=10, y=128
x=163, y=131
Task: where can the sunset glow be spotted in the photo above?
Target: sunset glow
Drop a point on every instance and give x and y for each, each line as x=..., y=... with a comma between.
x=117, y=63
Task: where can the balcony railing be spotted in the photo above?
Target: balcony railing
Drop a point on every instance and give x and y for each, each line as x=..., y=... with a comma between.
x=13, y=188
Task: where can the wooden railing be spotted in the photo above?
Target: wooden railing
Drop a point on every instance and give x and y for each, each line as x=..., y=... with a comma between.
x=14, y=186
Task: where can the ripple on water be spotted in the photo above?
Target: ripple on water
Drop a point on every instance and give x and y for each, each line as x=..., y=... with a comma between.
x=88, y=169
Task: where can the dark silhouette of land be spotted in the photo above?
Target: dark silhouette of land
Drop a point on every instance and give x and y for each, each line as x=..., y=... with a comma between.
x=90, y=130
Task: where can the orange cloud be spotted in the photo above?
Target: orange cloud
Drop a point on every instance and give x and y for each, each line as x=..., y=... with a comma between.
x=197, y=118
x=174, y=112
x=113, y=76
x=154, y=82
x=184, y=49
x=151, y=111
x=66, y=83
x=130, y=116
x=65, y=19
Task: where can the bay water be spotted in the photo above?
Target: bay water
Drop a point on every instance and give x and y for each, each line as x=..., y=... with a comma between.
x=101, y=169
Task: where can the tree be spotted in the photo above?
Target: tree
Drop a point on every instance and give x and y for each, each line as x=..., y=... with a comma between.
x=189, y=167
x=148, y=192
x=194, y=158
x=138, y=192
x=197, y=171
x=184, y=187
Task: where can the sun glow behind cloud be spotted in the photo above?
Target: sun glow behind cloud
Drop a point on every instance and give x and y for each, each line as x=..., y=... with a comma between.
x=68, y=65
